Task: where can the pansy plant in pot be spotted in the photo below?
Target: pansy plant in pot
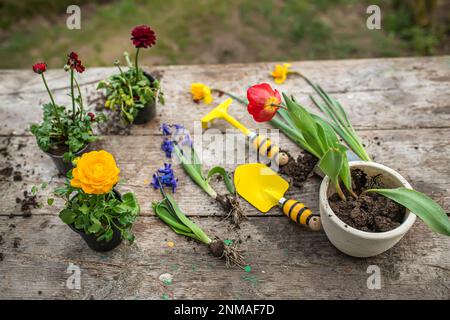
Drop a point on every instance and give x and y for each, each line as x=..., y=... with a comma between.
x=65, y=132
x=93, y=208
x=133, y=92
x=365, y=207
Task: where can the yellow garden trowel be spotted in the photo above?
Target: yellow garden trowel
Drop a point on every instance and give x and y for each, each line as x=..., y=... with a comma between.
x=263, y=188
x=262, y=144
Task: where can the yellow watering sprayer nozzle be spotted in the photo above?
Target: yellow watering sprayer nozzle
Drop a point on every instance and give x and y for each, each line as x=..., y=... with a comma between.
x=221, y=112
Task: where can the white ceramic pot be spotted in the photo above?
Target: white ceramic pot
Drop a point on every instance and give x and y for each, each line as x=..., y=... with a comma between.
x=355, y=242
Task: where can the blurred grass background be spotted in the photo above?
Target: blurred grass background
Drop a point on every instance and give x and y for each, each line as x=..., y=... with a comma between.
x=221, y=31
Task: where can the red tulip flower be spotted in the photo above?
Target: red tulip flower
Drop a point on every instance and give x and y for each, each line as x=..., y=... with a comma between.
x=40, y=67
x=143, y=37
x=263, y=102
x=74, y=63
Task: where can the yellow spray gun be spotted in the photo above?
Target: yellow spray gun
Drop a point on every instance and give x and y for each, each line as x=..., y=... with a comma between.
x=262, y=144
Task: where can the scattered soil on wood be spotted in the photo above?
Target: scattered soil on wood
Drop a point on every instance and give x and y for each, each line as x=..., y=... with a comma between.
x=369, y=212
x=28, y=202
x=113, y=124
x=17, y=242
x=299, y=170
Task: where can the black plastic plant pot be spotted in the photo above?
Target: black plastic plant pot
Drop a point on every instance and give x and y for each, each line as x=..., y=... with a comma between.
x=101, y=246
x=147, y=113
x=62, y=166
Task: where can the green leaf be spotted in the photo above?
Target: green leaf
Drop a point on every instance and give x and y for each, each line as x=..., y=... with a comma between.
x=331, y=163
x=127, y=235
x=84, y=209
x=163, y=212
x=44, y=185
x=107, y=236
x=34, y=190
x=226, y=178
x=96, y=226
x=120, y=208
x=194, y=173
x=421, y=205
x=50, y=201
x=188, y=223
x=67, y=216
x=129, y=199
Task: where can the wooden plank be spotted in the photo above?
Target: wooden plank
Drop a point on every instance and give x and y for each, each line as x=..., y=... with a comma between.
x=383, y=93
x=421, y=156
x=287, y=262
x=352, y=74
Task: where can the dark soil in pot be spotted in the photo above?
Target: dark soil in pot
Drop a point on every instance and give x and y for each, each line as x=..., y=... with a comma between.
x=299, y=170
x=369, y=212
x=101, y=246
x=149, y=111
x=57, y=156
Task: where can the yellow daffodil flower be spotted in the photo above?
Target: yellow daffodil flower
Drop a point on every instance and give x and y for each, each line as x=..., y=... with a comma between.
x=200, y=91
x=280, y=73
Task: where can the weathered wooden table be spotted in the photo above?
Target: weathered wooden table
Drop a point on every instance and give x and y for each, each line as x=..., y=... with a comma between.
x=399, y=106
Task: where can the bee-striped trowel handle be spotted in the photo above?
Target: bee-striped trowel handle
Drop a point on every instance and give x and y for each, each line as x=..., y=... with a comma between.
x=300, y=213
x=266, y=148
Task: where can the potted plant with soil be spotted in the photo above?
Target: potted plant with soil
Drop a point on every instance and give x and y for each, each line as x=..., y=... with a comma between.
x=365, y=207
x=93, y=208
x=65, y=133
x=134, y=92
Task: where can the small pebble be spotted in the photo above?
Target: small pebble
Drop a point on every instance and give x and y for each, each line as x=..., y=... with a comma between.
x=166, y=278
x=248, y=268
x=170, y=244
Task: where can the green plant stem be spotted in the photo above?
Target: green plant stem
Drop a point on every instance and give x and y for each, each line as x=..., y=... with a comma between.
x=53, y=102
x=136, y=64
x=81, y=99
x=230, y=95
x=127, y=59
x=72, y=94
x=48, y=90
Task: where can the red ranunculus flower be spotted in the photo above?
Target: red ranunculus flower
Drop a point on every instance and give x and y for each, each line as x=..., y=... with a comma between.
x=39, y=67
x=74, y=63
x=92, y=116
x=143, y=37
x=263, y=102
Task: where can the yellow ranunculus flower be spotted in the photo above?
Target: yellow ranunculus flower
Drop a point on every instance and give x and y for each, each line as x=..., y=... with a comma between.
x=201, y=92
x=280, y=73
x=96, y=172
